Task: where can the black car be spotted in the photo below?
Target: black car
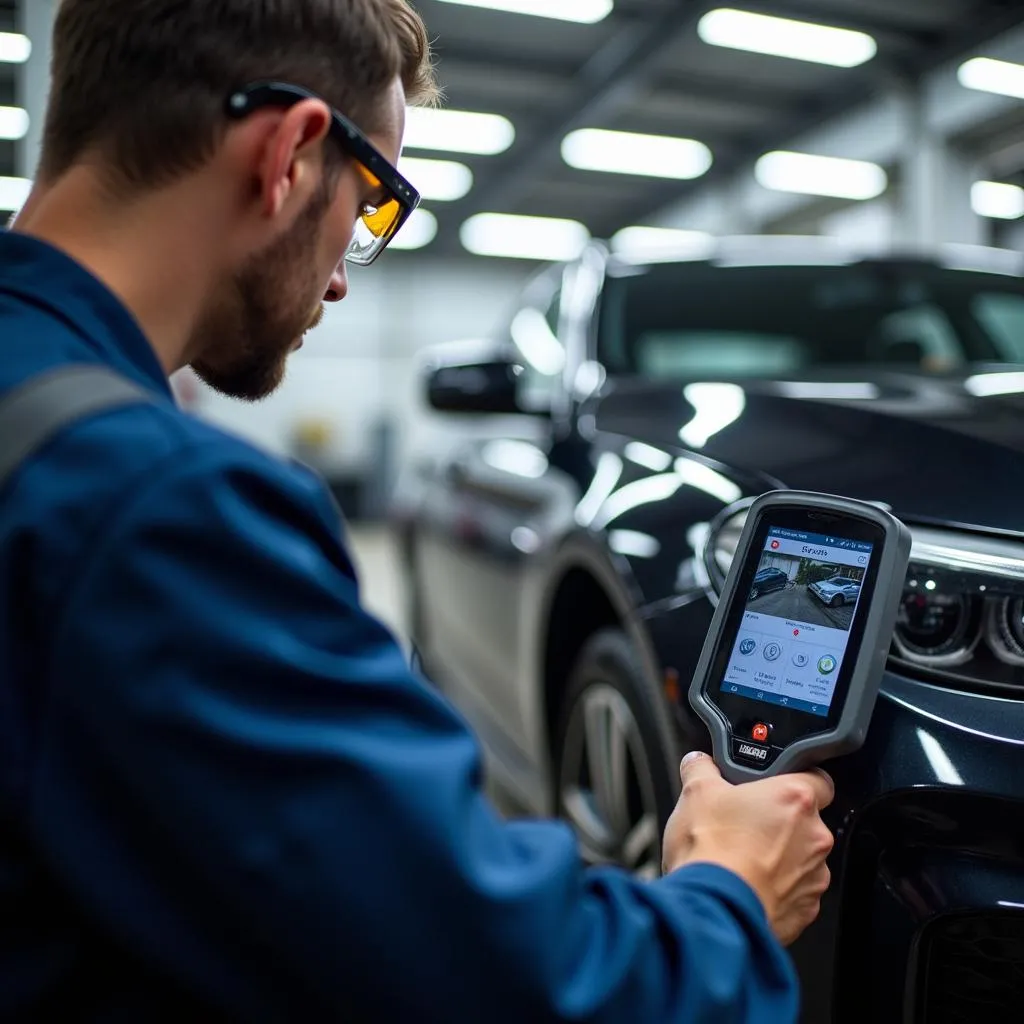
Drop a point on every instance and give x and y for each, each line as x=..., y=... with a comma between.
x=766, y=581
x=565, y=559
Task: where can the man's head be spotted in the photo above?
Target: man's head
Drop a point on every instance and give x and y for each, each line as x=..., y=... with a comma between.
x=140, y=97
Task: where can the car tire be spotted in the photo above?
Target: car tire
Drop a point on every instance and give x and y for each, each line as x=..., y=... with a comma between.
x=837, y=601
x=618, y=817
x=754, y=594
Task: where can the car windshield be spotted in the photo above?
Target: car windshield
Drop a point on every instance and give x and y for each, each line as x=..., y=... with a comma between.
x=701, y=320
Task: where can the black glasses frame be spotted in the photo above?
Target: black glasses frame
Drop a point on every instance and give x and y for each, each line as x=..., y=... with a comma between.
x=259, y=95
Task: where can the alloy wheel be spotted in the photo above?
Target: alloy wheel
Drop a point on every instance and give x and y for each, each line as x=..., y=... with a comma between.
x=605, y=789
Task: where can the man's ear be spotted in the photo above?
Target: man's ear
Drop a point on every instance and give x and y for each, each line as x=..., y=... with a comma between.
x=293, y=156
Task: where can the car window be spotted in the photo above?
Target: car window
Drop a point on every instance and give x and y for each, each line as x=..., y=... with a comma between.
x=683, y=353
x=706, y=321
x=1002, y=315
x=921, y=337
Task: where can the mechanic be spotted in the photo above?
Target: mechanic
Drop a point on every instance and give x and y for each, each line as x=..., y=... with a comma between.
x=223, y=793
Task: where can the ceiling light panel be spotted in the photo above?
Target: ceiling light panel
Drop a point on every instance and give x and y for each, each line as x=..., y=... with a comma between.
x=14, y=48
x=783, y=37
x=997, y=200
x=996, y=76
x=653, y=156
x=583, y=12
x=441, y=181
x=652, y=245
x=547, y=239
x=417, y=232
x=458, y=131
x=14, y=123
x=808, y=174
x=14, y=192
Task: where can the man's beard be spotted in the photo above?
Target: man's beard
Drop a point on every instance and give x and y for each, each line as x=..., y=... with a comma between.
x=246, y=339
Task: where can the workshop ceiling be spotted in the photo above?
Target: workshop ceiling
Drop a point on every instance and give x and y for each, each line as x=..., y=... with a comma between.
x=645, y=69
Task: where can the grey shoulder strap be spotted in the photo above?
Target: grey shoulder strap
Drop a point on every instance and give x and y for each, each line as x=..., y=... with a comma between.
x=38, y=410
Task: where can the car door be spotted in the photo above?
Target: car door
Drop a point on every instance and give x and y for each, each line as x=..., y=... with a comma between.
x=487, y=510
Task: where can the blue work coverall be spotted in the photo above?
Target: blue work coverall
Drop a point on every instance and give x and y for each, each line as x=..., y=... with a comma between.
x=223, y=793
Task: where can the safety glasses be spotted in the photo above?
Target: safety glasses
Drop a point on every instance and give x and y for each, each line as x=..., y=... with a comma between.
x=394, y=198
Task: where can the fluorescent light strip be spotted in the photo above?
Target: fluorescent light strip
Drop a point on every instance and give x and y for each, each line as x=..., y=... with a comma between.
x=583, y=12
x=14, y=123
x=417, y=232
x=807, y=174
x=783, y=37
x=13, y=193
x=458, y=131
x=437, y=180
x=547, y=239
x=14, y=48
x=997, y=200
x=653, y=245
x=652, y=156
x=997, y=76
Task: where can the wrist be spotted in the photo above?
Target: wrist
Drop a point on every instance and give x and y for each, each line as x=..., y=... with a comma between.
x=735, y=866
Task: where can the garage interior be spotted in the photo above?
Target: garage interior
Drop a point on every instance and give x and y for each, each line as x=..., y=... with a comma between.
x=937, y=137
x=759, y=134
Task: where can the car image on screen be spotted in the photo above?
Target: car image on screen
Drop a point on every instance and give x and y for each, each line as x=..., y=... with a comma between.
x=836, y=592
x=766, y=581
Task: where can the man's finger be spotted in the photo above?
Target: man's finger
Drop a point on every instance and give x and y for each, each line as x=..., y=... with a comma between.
x=697, y=765
x=824, y=787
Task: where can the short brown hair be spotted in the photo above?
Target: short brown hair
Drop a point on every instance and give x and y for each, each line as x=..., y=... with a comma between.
x=143, y=83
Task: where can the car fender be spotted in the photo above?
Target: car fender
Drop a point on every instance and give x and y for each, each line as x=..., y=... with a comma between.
x=588, y=552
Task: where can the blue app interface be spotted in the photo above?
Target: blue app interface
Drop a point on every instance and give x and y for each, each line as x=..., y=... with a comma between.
x=796, y=623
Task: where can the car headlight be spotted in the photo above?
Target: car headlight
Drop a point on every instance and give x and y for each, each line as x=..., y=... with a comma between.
x=961, y=622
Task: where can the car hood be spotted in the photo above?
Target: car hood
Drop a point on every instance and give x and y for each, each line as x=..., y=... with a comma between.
x=826, y=586
x=946, y=449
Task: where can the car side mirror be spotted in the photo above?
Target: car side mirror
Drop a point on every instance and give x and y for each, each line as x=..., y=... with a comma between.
x=477, y=387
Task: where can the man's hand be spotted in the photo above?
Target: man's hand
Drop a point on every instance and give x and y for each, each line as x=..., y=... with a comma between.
x=768, y=832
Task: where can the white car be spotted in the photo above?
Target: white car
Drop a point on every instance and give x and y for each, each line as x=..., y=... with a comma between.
x=837, y=591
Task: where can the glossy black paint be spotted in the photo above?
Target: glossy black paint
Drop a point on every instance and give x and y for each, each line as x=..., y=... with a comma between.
x=929, y=815
x=476, y=387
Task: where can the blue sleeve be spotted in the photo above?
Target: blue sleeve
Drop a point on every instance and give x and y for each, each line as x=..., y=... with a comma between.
x=240, y=778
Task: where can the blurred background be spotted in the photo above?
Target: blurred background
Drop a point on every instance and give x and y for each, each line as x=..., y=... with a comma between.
x=648, y=123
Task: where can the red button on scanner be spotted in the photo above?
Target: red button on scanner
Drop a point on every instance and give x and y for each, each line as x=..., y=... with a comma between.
x=759, y=733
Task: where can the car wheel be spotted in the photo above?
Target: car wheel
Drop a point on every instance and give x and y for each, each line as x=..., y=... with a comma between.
x=754, y=594
x=610, y=760
x=837, y=601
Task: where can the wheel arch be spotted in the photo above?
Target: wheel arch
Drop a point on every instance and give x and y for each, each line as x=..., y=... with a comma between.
x=587, y=592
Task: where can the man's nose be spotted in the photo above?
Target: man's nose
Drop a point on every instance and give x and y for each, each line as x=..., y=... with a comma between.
x=338, y=288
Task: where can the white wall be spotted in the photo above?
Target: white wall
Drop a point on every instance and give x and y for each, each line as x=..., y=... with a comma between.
x=361, y=363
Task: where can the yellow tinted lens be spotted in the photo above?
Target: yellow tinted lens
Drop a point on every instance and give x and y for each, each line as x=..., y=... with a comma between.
x=381, y=219
x=376, y=225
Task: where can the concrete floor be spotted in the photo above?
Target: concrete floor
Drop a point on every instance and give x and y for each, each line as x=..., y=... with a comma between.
x=380, y=576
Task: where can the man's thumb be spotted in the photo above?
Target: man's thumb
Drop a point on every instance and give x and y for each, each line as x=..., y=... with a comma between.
x=697, y=765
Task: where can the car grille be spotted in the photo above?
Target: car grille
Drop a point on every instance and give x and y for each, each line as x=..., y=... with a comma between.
x=973, y=969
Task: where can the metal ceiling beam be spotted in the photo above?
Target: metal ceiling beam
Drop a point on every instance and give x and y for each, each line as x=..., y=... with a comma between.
x=496, y=61
x=500, y=64
x=611, y=78
x=727, y=91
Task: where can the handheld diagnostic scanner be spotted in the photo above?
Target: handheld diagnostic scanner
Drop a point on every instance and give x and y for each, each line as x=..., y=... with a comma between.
x=791, y=668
